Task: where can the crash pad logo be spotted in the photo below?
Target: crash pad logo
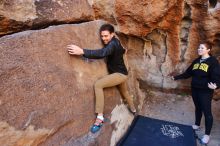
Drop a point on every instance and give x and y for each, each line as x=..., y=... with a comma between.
x=171, y=131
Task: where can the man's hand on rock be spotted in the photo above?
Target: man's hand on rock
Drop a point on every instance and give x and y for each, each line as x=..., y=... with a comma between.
x=75, y=50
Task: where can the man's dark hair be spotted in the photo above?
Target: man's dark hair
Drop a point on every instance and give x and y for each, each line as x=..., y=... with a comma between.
x=107, y=27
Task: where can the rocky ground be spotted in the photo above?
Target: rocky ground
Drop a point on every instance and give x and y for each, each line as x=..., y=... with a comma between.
x=180, y=109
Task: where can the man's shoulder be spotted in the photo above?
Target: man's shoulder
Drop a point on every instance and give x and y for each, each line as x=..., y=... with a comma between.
x=114, y=39
x=114, y=42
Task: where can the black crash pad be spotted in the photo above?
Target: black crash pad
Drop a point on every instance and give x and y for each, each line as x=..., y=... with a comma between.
x=146, y=131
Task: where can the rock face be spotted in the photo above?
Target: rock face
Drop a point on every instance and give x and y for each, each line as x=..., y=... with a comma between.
x=149, y=15
x=105, y=10
x=168, y=36
x=158, y=24
x=31, y=14
x=45, y=94
x=43, y=86
x=212, y=28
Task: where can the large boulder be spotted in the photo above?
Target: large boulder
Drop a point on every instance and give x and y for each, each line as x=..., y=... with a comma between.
x=46, y=95
x=32, y=14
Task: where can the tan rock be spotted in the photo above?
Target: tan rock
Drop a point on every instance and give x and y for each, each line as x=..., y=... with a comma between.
x=212, y=28
x=12, y=137
x=140, y=18
x=20, y=15
x=104, y=10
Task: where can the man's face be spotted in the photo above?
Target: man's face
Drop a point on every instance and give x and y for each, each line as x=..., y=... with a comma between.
x=106, y=36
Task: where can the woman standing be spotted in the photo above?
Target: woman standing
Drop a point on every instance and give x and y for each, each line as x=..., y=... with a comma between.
x=205, y=73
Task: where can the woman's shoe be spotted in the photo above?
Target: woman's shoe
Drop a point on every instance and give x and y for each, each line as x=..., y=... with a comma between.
x=97, y=125
x=196, y=130
x=205, y=139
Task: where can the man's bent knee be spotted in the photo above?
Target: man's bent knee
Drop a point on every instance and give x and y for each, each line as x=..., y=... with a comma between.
x=98, y=85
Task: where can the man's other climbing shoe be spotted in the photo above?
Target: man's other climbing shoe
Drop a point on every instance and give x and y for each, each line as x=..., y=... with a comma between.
x=132, y=109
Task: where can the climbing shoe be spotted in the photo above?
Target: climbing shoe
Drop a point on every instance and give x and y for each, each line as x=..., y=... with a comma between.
x=97, y=125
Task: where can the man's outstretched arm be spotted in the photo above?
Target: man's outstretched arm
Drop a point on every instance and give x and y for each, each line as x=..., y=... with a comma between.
x=92, y=54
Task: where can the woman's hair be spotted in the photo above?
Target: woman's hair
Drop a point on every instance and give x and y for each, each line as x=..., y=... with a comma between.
x=208, y=45
x=107, y=27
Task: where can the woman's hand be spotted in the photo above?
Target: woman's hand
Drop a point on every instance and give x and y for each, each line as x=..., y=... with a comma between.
x=212, y=85
x=75, y=50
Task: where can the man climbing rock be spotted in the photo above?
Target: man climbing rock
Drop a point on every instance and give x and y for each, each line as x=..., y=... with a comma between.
x=113, y=52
